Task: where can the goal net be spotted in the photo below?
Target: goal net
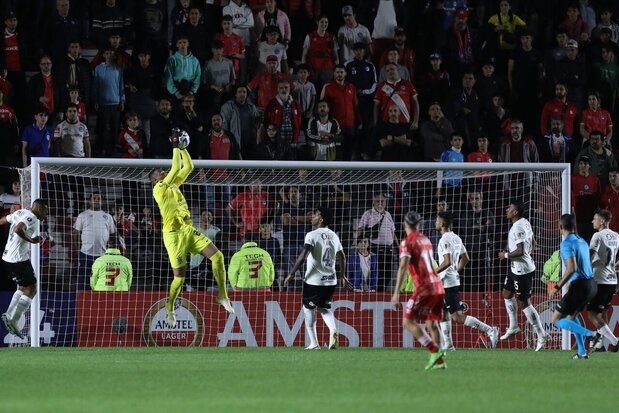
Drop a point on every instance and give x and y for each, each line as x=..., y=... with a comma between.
x=270, y=204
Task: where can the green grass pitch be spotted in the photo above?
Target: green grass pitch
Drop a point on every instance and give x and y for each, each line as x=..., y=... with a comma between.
x=294, y=380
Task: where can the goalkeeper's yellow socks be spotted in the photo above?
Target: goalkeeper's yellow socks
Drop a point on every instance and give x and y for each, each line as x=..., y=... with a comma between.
x=175, y=291
x=219, y=273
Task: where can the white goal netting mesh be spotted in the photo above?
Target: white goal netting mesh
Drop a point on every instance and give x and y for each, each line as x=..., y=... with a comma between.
x=274, y=206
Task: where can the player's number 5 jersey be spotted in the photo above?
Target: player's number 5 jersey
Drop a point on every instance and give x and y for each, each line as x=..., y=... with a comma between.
x=17, y=249
x=172, y=205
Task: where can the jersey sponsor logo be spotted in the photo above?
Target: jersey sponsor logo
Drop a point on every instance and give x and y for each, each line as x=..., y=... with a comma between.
x=188, y=331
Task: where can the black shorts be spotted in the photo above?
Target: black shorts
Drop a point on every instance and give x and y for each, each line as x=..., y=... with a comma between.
x=580, y=293
x=453, y=302
x=20, y=272
x=602, y=298
x=520, y=284
x=317, y=296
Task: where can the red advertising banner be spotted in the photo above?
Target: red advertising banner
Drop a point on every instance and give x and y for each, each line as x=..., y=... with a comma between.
x=276, y=319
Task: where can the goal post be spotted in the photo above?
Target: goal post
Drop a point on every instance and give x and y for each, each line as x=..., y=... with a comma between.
x=80, y=317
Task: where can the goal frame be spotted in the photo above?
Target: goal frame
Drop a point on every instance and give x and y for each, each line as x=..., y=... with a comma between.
x=35, y=191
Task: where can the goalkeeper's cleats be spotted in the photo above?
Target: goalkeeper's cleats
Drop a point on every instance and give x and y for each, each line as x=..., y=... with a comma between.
x=313, y=347
x=11, y=326
x=170, y=319
x=541, y=342
x=434, y=358
x=493, y=334
x=225, y=302
x=334, y=338
x=510, y=332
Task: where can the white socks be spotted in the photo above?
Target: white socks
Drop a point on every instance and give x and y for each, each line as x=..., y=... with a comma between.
x=534, y=320
x=310, y=325
x=608, y=334
x=16, y=296
x=476, y=324
x=22, y=305
x=328, y=317
x=512, y=307
x=446, y=331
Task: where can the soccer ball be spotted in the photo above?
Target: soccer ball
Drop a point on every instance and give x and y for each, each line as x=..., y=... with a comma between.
x=182, y=136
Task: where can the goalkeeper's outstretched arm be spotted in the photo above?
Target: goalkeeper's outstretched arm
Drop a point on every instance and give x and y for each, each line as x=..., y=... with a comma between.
x=174, y=173
x=186, y=169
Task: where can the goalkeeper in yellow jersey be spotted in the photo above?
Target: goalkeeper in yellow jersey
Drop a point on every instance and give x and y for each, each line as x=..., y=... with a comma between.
x=179, y=236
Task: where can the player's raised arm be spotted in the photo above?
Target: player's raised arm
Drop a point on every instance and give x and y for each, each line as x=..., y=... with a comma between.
x=176, y=167
x=186, y=169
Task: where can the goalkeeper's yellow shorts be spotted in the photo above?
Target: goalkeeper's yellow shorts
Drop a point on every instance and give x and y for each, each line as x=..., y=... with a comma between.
x=187, y=240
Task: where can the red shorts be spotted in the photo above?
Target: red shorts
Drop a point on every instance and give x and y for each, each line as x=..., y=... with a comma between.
x=422, y=308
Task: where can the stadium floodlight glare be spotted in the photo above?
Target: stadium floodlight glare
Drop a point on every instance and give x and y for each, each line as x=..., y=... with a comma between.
x=78, y=316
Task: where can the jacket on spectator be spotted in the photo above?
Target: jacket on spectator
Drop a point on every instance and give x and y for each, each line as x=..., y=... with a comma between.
x=563, y=152
x=274, y=114
x=198, y=37
x=323, y=148
x=355, y=273
x=232, y=119
x=60, y=31
x=83, y=73
x=529, y=149
x=180, y=68
x=435, y=137
x=108, y=87
x=599, y=167
x=283, y=24
x=36, y=88
x=342, y=101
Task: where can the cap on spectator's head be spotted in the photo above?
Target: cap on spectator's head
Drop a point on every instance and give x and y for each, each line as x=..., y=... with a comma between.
x=571, y=44
x=272, y=58
x=462, y=13
x=585, y=158
x=489, y=61
x=399, y=30
x=348, y=10
x=10, y=15
x=435, y=56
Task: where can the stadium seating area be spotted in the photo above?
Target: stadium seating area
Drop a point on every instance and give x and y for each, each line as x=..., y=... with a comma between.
x=537, y=80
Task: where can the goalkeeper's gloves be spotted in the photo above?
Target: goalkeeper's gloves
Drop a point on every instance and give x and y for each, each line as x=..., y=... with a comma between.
x=175, y=137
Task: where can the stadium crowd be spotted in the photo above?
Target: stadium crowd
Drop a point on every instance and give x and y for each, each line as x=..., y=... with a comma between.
x=385, y=80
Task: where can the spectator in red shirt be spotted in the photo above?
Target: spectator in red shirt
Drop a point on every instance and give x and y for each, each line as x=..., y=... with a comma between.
x=576, y=28
x=342, y=99
x=399, y=92
x=251, y=205
x=11, y=58
x=220, y=144
x=264, y=85
x=559, y=107
x=481, y=154
x=610, y=198
x=594, y=118
x=320, y=53
x=586, y=191
x=131, y=139
x=234, y=48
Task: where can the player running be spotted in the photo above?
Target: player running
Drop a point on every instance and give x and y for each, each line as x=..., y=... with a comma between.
x=452, y=256
x=179, y=236
x=16, y=261
x=603, y=250
x=578, y=272
x=520, y=277
x=322, y=248
x=426, y=303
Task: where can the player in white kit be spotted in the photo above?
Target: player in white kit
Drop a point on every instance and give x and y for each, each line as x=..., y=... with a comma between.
x=16, y=260
x=452, y=256
x=519, y=280
x=322, y=248
x=603, y=247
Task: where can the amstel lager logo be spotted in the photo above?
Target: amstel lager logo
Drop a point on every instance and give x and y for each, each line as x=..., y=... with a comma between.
x=188, y=331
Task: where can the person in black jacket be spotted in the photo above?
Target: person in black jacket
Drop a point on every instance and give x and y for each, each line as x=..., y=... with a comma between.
x=61, y=30
x=44, y=89
x=72, y=70
x=161, y=129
